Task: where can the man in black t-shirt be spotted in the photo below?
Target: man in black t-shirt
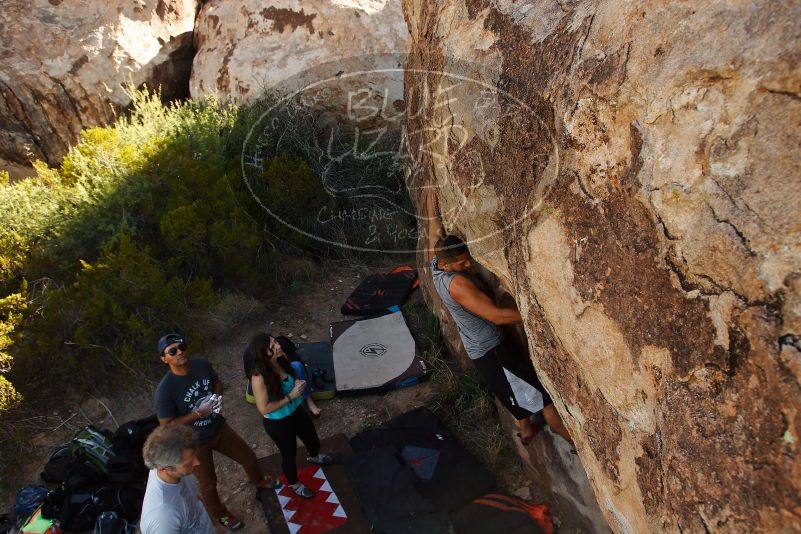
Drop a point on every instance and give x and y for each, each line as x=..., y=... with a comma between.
x=191, y=394
x=179, y=395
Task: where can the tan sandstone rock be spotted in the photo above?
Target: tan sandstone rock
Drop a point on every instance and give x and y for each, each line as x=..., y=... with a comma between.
x=630, y=173
x=245, y=47
x=63, y=65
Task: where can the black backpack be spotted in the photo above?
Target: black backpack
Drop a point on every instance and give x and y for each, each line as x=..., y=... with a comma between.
x=98, y=472
x=78, y=510
x=86, y=454
x=128, y=440
x=56, y=468
x=71, y=472
x=131, y=436
x=110, y=523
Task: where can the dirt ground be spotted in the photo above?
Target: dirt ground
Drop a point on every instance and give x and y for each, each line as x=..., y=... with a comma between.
x=303, y=312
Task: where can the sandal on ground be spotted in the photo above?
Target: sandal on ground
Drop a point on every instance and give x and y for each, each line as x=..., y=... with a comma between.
x=320, y=459
x=302, y=491
x=317, y=378
x=323, y=375
x=268, y=483
x=231, y=523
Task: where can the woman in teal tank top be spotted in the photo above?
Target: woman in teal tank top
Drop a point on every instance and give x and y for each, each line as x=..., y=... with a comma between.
x=279, y=395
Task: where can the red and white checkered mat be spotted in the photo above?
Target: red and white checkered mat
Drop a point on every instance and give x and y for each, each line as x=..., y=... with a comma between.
x=317, y=515
x=334, y=509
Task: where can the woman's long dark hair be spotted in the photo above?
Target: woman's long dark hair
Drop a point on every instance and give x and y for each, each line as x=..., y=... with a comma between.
x=260, y=351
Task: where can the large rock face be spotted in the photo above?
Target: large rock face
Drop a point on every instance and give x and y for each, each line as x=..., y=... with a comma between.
x=630, y=172
x=249, y=46
x=63, y=65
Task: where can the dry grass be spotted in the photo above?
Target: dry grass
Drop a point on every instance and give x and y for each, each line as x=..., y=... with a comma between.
x=469, y=410
x=232, y=310
x=460, y=399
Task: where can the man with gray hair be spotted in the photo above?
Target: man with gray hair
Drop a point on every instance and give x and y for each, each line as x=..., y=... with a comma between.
x=172, y=504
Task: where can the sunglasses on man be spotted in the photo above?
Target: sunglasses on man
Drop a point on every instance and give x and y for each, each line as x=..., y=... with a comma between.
x=174, y=350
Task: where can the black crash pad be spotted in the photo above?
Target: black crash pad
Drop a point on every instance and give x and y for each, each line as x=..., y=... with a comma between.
x=386, y=489
x=456, y=478
x=378, y=292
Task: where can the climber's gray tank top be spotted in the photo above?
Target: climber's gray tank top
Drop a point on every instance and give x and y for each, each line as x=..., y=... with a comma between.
x=478, y=335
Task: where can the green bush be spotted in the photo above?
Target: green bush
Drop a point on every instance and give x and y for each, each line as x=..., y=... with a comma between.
x=141, y=227
x=11, y=309
x=145, y=221
x=359, y=172
x=128, y=293
x=291, y=192
x=94, y=238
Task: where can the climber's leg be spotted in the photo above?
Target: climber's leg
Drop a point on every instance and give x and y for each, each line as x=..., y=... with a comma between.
x=554, y=421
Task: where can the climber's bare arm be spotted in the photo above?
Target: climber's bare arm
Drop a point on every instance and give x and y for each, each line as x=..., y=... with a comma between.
x=465, y=292
x=435, y=229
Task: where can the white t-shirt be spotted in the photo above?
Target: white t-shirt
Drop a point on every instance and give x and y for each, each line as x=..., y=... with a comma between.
x=173, y=508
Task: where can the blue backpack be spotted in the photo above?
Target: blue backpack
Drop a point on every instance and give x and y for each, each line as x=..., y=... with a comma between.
x=29, y=499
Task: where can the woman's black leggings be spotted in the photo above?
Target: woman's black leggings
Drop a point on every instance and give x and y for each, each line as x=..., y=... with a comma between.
x=284, y=433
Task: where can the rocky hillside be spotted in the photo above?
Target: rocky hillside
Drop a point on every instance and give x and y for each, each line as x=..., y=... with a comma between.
x=248, y=46
x=629, y=173
x=63, y=65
